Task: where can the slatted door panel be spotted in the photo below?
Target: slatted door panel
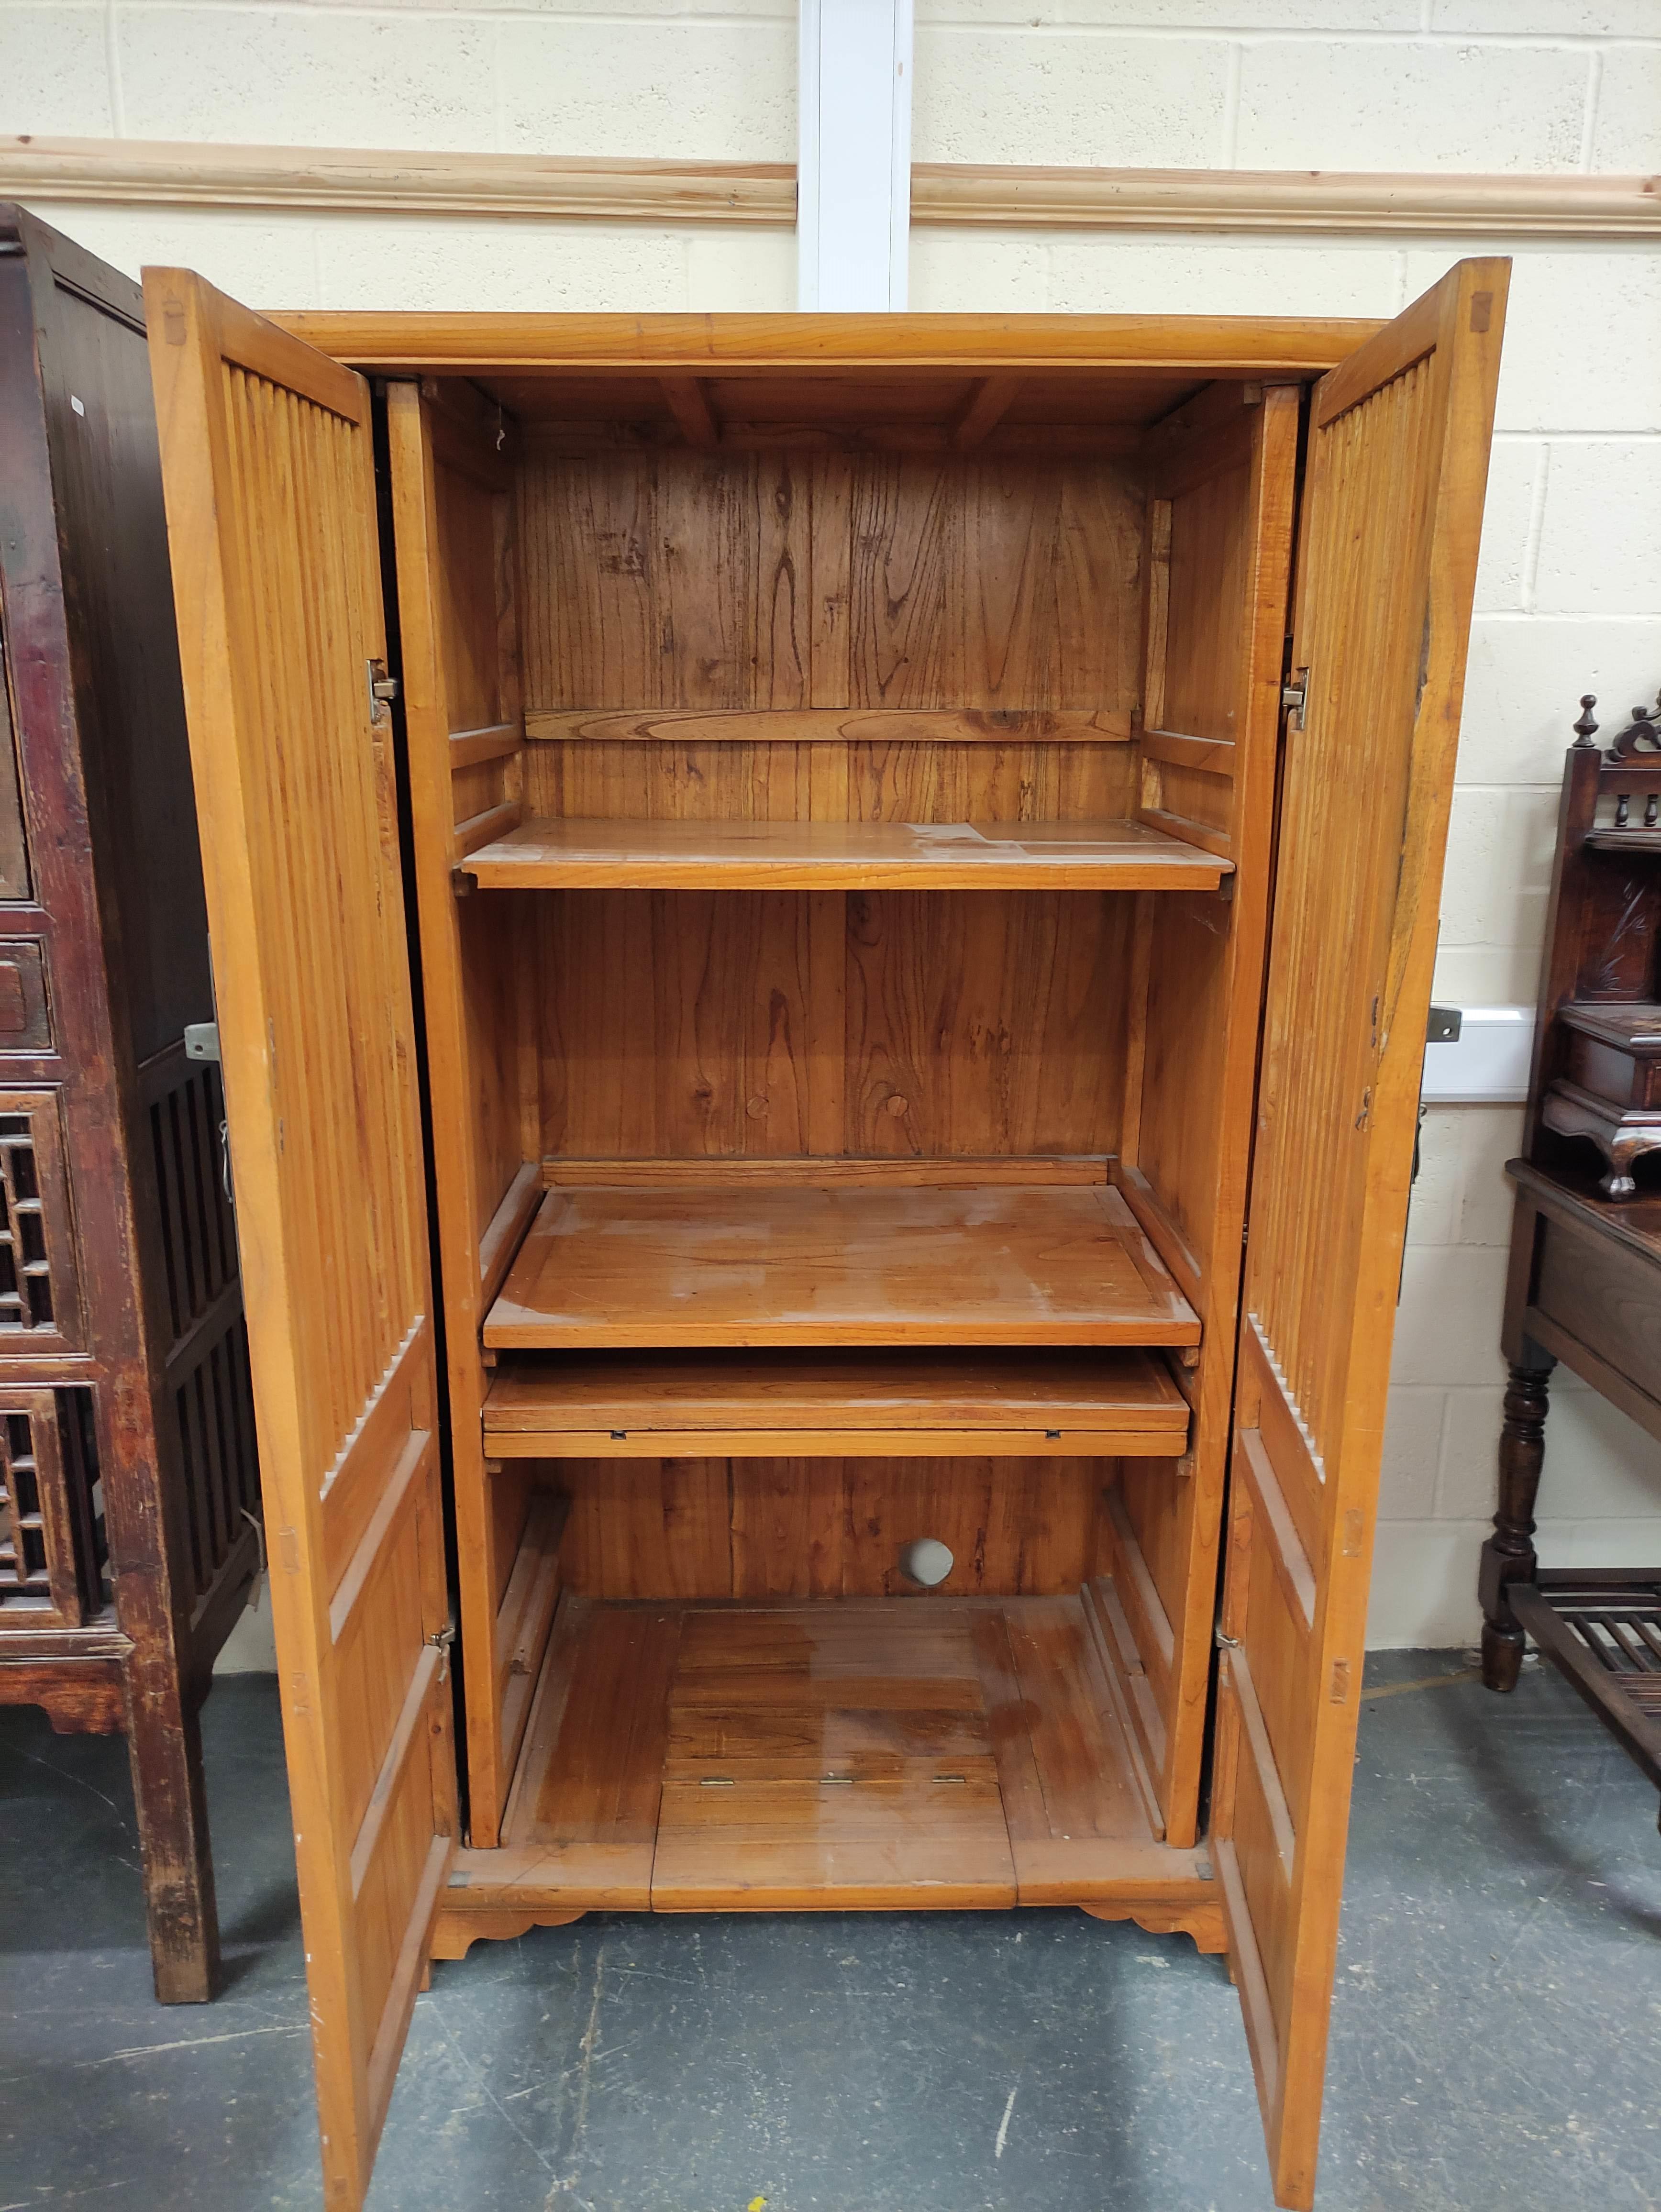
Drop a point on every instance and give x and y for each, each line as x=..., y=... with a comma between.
x=1396, y=468
x=271, y=513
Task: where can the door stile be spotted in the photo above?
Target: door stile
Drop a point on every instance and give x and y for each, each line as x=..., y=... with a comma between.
x=461, y=1206
x=1197, y=1192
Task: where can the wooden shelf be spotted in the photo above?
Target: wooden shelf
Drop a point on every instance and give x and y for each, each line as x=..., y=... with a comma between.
x=837, y=1265
x=1624, y=840
x=1117, y=1404
x=847, y=1753
x=667, y=855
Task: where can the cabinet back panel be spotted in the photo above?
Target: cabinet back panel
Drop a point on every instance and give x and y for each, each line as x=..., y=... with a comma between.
x=825, y=1527
x=667, y=779
x=672, y=578
x=687, y=1024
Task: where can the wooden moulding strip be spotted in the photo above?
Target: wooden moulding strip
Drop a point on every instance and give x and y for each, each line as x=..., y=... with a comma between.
x=468, y=747
x=526, y=1616
x=1121, y=1682
x=1328, y=200
x=1139, y=1579
x=159, y=173
x=481, y=828
x=1210, y=756
x=807, y=726
x=1162, y=1232
x=508, y=1225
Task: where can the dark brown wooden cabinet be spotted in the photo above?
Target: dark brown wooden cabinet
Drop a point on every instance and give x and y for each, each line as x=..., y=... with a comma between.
x=923, y=919
x=127, y=1470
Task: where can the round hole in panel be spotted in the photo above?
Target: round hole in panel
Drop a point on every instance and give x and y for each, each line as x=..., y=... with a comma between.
x=927, y=1561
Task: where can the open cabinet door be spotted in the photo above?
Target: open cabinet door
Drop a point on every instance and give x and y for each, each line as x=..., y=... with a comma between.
x=266, y=461
x=1397, y=463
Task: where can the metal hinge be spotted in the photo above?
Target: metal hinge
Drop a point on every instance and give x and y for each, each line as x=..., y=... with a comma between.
x=1225, y=1643
x=441, y=1640
x=1443, y=1024
x=382, y=688
x=202, y=1040
x=1294, y=696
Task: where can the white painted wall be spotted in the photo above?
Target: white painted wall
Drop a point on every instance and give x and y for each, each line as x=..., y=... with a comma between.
x=1570, y=593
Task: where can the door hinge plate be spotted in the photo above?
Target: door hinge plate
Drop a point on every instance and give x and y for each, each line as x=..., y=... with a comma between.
x=1294, y=696
x=441, y=1640
x=382, y=688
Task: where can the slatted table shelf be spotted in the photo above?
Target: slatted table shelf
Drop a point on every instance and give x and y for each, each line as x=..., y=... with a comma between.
x=831, y=1755
x=1601, y=1628
x=712, y=1265
x=667, y=855
x=854, y=1404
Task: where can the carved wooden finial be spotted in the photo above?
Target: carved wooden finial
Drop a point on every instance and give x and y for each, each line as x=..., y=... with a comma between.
x=1640, y=736
x=1585, y=729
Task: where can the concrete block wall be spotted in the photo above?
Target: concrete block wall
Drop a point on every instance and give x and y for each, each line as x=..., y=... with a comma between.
x=1569, y=597
x=1569, y=591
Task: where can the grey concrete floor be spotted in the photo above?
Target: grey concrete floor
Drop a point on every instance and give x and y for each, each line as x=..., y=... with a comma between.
x=1496, y=2030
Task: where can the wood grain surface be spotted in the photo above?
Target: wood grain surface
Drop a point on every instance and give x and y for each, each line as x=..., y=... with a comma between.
x=994, y=1265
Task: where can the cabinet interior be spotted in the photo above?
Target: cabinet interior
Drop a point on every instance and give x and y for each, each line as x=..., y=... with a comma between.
x=841, y=809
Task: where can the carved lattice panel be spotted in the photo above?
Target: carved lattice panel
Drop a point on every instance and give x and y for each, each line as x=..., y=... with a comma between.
x=45, y=1518
x=39, y=1298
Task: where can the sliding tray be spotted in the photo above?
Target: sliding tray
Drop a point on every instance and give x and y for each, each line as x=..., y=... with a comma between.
x=801, y=856
x=856, y=1404
x=722, y=1265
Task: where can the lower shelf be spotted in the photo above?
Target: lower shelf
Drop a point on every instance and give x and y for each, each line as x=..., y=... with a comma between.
x=1601, y=1628
x=843, y=1754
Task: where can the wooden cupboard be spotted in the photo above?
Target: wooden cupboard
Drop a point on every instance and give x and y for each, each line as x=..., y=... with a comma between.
x=919, y=837
x=128, y=1540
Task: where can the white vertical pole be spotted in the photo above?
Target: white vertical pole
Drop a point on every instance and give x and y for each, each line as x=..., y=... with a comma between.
x=854, y=163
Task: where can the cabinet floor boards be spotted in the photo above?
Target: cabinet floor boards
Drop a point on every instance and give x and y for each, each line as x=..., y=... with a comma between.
x=839, y=1754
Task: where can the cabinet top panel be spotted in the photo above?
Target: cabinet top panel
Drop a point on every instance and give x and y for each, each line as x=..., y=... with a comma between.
x=1201, y=345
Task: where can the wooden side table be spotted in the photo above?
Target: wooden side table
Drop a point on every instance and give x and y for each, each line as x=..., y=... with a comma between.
x=1585, y=1280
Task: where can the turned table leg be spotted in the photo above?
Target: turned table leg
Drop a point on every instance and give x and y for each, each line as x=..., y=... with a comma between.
x=1508, y=1555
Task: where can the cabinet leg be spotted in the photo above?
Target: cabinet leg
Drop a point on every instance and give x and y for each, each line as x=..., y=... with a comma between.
x=164, y=1746
x=1508, y=1555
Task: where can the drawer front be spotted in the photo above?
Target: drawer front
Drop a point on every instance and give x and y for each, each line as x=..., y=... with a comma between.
x=1605, y=1298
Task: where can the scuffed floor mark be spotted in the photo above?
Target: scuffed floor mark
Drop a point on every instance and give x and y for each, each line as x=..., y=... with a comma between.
x=1003, y=2124
x=586, y=2049
x=1423, y=1683
x=189, y=2042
